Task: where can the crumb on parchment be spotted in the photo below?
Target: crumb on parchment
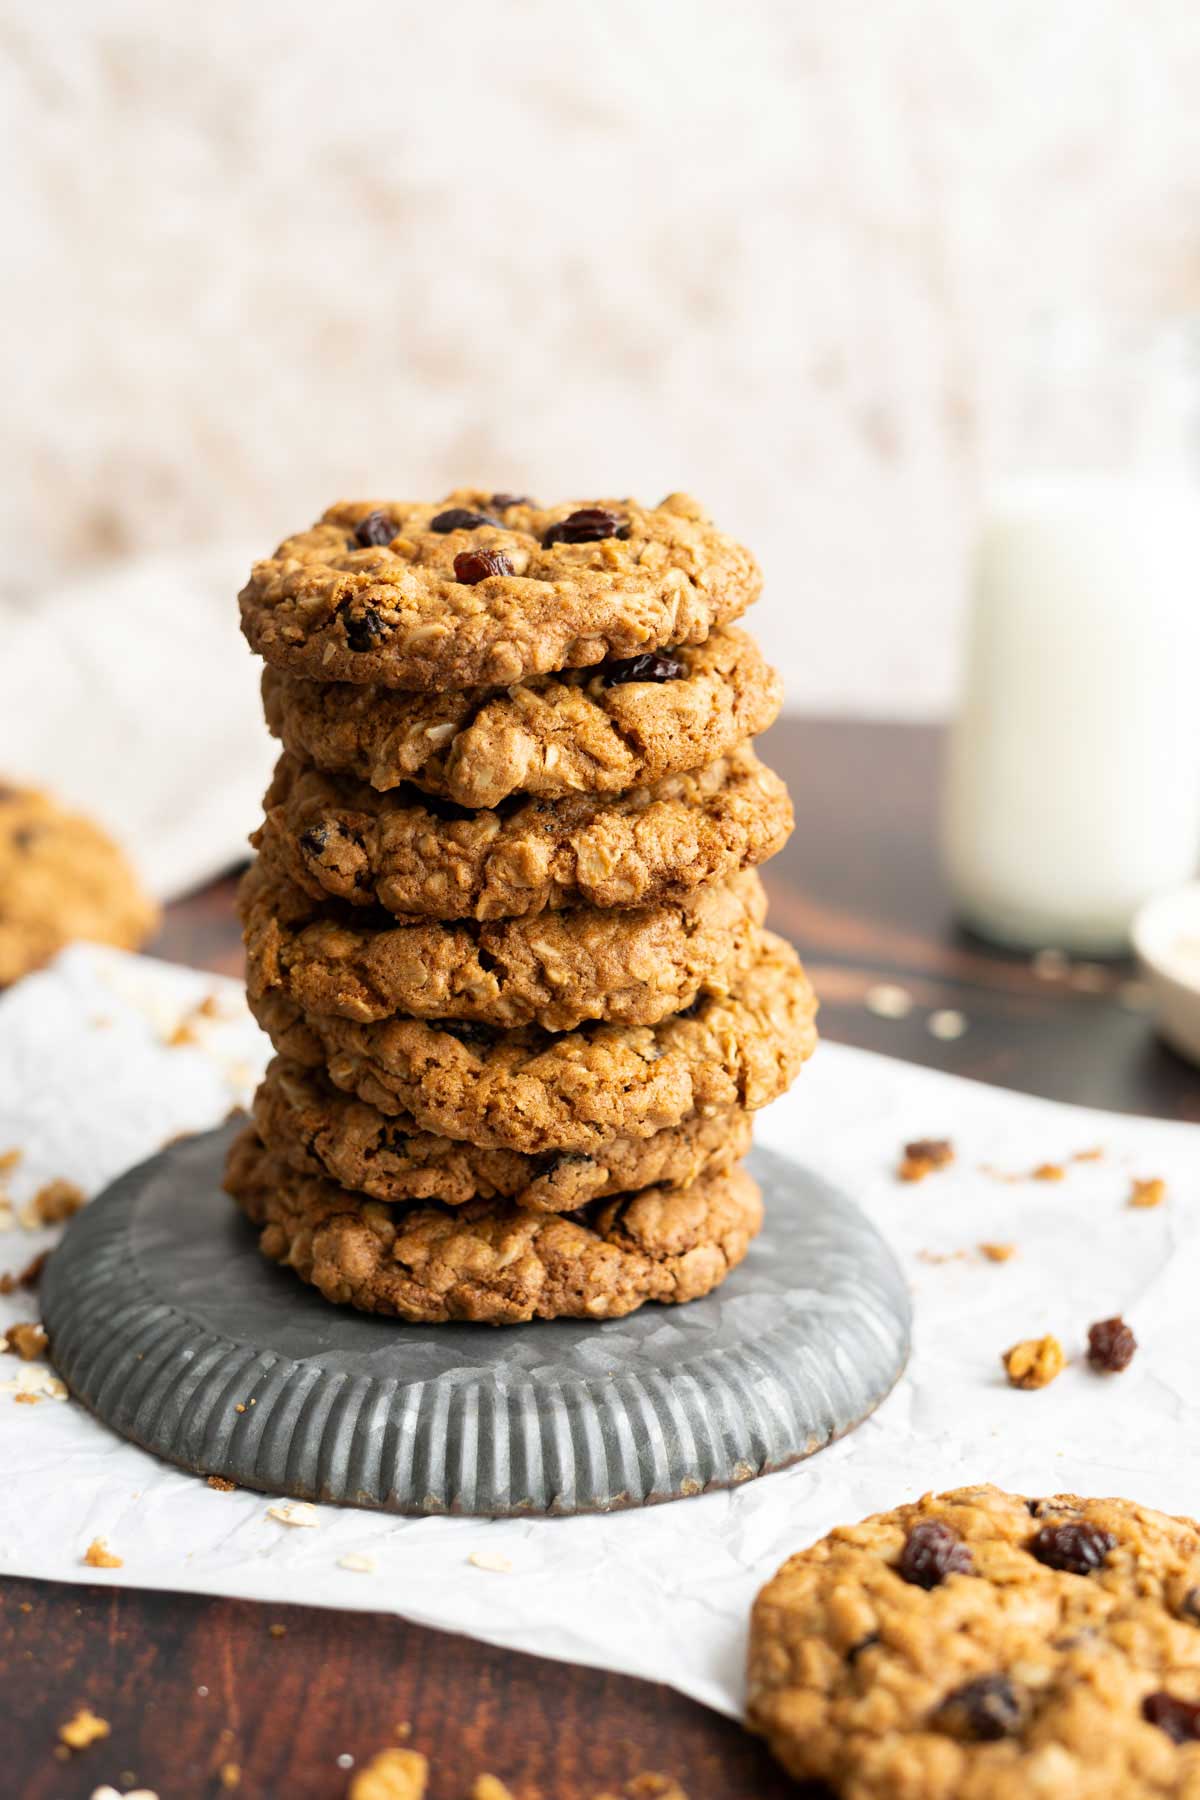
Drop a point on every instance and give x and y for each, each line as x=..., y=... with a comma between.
x=998, y=1253
x=923, y=1156
x=1147, y=1193
x=56, y=1202
x=1034, y=1363
x=99, y=1556
x=26, y=1340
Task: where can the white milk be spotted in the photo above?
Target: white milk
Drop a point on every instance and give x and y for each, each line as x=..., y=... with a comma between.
x=1073, y=787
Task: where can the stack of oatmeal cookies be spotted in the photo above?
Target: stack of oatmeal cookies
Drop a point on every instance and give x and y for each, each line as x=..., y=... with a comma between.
x=504, y=928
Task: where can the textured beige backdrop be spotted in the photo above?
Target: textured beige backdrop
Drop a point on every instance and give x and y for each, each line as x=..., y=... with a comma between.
x=260, y=255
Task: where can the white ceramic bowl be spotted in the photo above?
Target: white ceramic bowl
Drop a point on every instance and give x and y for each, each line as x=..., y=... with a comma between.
x=1166, y=937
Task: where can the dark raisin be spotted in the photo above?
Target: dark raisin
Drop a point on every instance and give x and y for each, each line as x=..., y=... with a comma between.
x=932, y=1551
x=980, y=1711
x=1180, y=1719
x=25, y=836
x=1111, y=1345
x=467, y=1032
x=364, y=630
x=315, y=839
x=1079, y=1549
x=471, y=566
x=376, y=528
x=586, y=526
x=856, y=1650
x=457, y=518
x=651, y=665
x=502, y=502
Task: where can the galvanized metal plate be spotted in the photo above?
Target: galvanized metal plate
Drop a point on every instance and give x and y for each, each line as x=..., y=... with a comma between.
x=170, y=1326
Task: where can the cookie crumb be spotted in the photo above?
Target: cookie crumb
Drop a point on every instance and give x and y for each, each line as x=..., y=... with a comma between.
x=231, y=1775
x=947, y=1024
x=1034, y=1363
x=1095, y=1154
x=31, y=1274
x=1151, y=1192
x=1048, y=1171
x=490, y=1560
x=392, y=1775
x=360, y=1565
x=488, y=1787
x=56, y=1202
x=221, y=1484
x=33, y=1383
x=99, y=1556
x=84, y=1729
x=26, y=1340
x=9, y=1160
x=1111, y=1345
x=888, y=1001
x=923, y=1156
x=294, y=1512
x=998, y=1253
x=276, y=1631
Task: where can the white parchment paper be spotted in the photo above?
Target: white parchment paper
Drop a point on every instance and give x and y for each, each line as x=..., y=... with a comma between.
x=93, y=1077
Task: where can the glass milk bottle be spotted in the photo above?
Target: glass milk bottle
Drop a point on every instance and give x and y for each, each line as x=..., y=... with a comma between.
x=1073, y=780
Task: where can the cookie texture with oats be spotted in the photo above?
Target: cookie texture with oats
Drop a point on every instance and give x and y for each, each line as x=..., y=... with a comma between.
x=61, y=878
x=492, y=1262
x=422, y=857
x=317, y=1130
x=464, y=591
x=536, y=1091
x=553, y=969
x=976, y=1645
x=582, y=731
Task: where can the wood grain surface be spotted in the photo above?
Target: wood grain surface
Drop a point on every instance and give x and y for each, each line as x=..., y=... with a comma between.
x=192, y=1686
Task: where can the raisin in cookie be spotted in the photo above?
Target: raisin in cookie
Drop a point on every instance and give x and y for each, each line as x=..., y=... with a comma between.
x=492, y=1262
x=593, y=731
x=978, y=1646
x=422, y=857
x=466, y=591
x=554, y=969
x=317, y=1130
x=61, y=878
x=537, y=1091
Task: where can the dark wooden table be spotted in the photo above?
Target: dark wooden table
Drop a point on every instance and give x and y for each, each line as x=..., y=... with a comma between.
x=191, y=1684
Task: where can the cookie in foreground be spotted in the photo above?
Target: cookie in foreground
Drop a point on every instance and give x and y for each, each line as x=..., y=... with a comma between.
x=491, y=1262
x=467, y=591
x=976, y=1645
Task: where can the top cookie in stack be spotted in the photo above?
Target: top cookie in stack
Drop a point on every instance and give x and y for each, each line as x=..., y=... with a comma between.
x=504, y=929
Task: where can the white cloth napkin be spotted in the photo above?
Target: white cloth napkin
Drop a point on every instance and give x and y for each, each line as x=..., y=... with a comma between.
x=90, y=1082
x=133, y=696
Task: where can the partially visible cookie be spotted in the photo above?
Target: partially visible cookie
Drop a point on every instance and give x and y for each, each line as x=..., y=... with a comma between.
x=979, y=1646
x=537, y=1091
x=492, y=1262
x=554, y=969
x=468, y=591
x=594, y=730
x=61, y=878
x=418, y=856
x=317, y=1130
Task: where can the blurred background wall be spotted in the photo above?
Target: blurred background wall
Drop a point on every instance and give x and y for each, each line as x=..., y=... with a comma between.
x=259, y=256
